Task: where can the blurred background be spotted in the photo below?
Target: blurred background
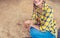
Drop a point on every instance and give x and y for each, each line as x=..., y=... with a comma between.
x=14, y=12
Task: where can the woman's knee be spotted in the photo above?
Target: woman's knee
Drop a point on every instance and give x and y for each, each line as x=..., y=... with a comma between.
x=27, y=23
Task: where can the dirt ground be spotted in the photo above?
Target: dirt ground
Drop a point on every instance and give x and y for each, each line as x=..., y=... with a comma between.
x=13, y=12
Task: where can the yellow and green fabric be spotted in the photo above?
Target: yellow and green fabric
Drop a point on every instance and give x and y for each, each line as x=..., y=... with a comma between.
x=46, y=19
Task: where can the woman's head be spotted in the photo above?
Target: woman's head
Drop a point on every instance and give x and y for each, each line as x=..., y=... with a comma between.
x=38, y=3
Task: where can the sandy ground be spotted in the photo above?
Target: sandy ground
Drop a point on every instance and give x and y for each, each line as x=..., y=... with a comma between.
x=13, y=12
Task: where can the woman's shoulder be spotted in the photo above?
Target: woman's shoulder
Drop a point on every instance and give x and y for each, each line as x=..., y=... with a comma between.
x=47, y=8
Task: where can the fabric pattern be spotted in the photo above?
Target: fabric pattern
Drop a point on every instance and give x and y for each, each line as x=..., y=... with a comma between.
x=46, y=19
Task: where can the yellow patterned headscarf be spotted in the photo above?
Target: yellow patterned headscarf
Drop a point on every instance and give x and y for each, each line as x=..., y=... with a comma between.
x=46, y=19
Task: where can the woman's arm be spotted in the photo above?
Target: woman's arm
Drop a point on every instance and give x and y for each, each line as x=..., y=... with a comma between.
x=39, y=4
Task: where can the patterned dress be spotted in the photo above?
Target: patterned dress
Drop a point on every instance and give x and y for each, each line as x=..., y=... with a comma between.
x=47, y=23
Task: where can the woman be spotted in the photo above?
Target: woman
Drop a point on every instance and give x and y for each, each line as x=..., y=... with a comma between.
x=42, y=25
